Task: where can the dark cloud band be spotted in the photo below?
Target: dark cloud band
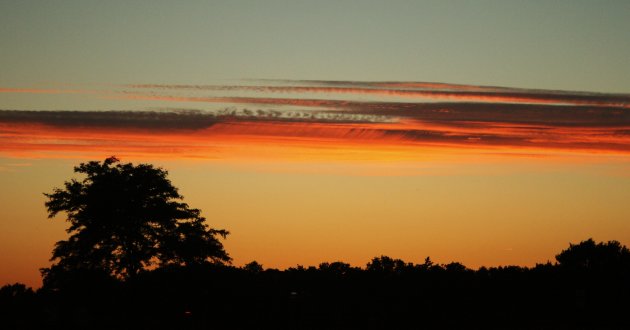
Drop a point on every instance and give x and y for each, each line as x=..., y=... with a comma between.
x=496, y=116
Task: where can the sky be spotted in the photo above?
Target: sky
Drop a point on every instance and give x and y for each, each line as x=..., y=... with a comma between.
x=485, y=132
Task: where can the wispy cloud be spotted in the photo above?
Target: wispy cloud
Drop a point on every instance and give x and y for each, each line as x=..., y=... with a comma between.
x=47, y=91
x=426, y=91
x=13, y=167
x=491, y=120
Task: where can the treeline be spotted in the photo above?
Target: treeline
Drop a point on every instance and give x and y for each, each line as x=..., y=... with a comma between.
x=588, y=287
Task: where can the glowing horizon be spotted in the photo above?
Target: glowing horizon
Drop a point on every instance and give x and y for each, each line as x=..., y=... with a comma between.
x=488, y=134
x=313, y=133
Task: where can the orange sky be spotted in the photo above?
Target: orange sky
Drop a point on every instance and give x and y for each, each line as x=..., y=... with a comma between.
x=489, y=134
x=302, y=176
x=477, y=210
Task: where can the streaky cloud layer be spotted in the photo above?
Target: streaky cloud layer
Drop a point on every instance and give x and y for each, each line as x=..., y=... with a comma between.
x=314, y=120
x=426, y=91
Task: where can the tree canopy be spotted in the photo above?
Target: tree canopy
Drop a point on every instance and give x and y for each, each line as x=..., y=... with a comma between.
x=589, y=255
x=125, y=218
x=578, y=292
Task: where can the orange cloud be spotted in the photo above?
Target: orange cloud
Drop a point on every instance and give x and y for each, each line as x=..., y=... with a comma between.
x=294, y=140
x=588, y=123
x=504, y=95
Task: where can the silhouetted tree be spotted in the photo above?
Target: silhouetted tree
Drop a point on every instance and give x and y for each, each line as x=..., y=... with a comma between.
x=338, y=268
x=388, y=293
x=17, y=304
x=455, y=267
x=387, y=265
x=588, y=255
x=253, y=267
x=125, y=218
x=15, y=290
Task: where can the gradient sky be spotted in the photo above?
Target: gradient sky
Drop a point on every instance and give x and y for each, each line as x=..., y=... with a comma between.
x=485, y=132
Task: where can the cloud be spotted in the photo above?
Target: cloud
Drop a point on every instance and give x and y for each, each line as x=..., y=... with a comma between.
x=427, y=91
x=13, y=167
x=459, y=113
x=46, y=91
x=194, y=126
x=461, y=117
x=176, y=119
x=111, y=119
x=533, y=114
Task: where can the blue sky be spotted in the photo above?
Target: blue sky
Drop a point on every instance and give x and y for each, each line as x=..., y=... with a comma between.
x=570, y=45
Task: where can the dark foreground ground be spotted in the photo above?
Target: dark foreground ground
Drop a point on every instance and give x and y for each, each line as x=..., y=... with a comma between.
x=591, y=292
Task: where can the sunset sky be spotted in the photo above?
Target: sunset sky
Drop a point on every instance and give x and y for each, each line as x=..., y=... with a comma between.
x=485, y=132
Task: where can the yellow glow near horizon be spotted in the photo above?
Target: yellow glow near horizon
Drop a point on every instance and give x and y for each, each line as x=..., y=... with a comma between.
x=282, y=214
